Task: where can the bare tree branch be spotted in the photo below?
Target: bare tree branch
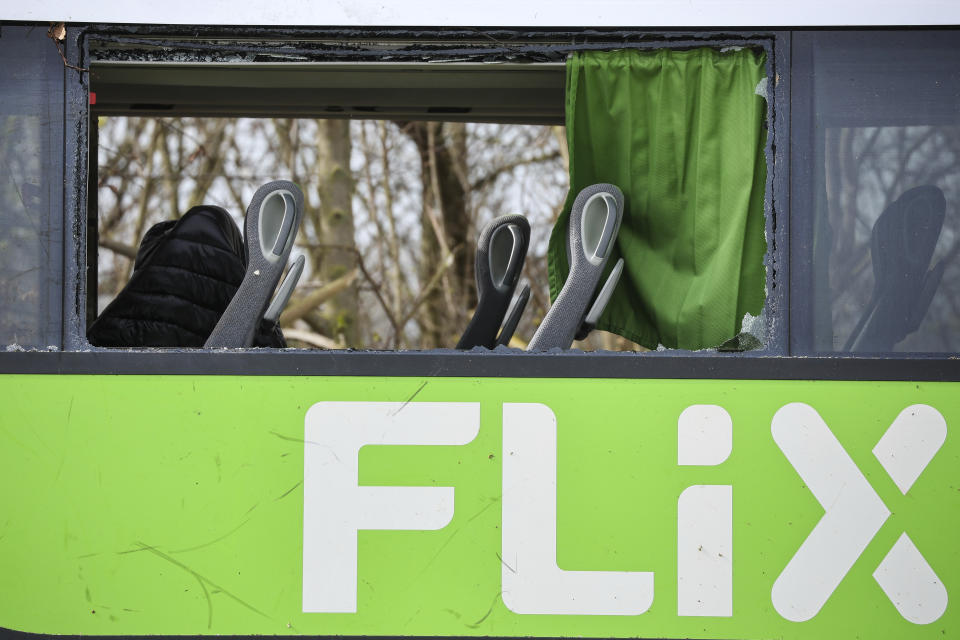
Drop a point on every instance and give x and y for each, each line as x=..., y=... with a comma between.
x=143, y=207
x=490, y=178
x=118, y=248
x=387, y=309
x=441, y=270
x=312, y=338
x=313, y=300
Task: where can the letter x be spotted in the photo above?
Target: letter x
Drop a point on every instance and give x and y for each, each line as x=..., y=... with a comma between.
x=854, y=513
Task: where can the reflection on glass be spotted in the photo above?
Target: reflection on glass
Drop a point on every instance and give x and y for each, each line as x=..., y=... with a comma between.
x=894, y=233
x=885, y=191
x=30, y=135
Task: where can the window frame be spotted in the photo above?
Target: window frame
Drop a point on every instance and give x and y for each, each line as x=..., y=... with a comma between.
x=777, y=361
x=537, y=44
x=802, y=151
x=39, y=85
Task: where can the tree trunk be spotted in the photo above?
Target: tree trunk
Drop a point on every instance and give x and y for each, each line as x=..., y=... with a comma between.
x=445, y=227
x=333, y=223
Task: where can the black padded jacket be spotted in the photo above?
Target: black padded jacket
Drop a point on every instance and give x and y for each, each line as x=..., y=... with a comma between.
x=185, y=275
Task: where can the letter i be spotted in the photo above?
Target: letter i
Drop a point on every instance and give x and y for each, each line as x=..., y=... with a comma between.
x=704, y=516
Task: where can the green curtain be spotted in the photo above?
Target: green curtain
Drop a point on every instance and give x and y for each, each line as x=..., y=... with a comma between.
x=682, y=133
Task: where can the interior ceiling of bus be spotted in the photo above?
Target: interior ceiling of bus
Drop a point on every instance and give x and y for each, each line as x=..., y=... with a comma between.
x=531, y=93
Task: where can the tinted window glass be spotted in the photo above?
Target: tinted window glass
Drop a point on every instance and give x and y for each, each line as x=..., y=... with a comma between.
x=31, y=187
x=885, y=235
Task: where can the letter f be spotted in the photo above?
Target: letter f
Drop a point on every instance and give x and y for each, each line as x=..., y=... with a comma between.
x=335, y=507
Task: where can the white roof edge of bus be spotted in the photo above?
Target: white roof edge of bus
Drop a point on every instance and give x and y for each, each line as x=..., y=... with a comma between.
x=495, y=13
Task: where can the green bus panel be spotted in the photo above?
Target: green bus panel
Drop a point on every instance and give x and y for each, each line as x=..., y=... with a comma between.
x=677, y=508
